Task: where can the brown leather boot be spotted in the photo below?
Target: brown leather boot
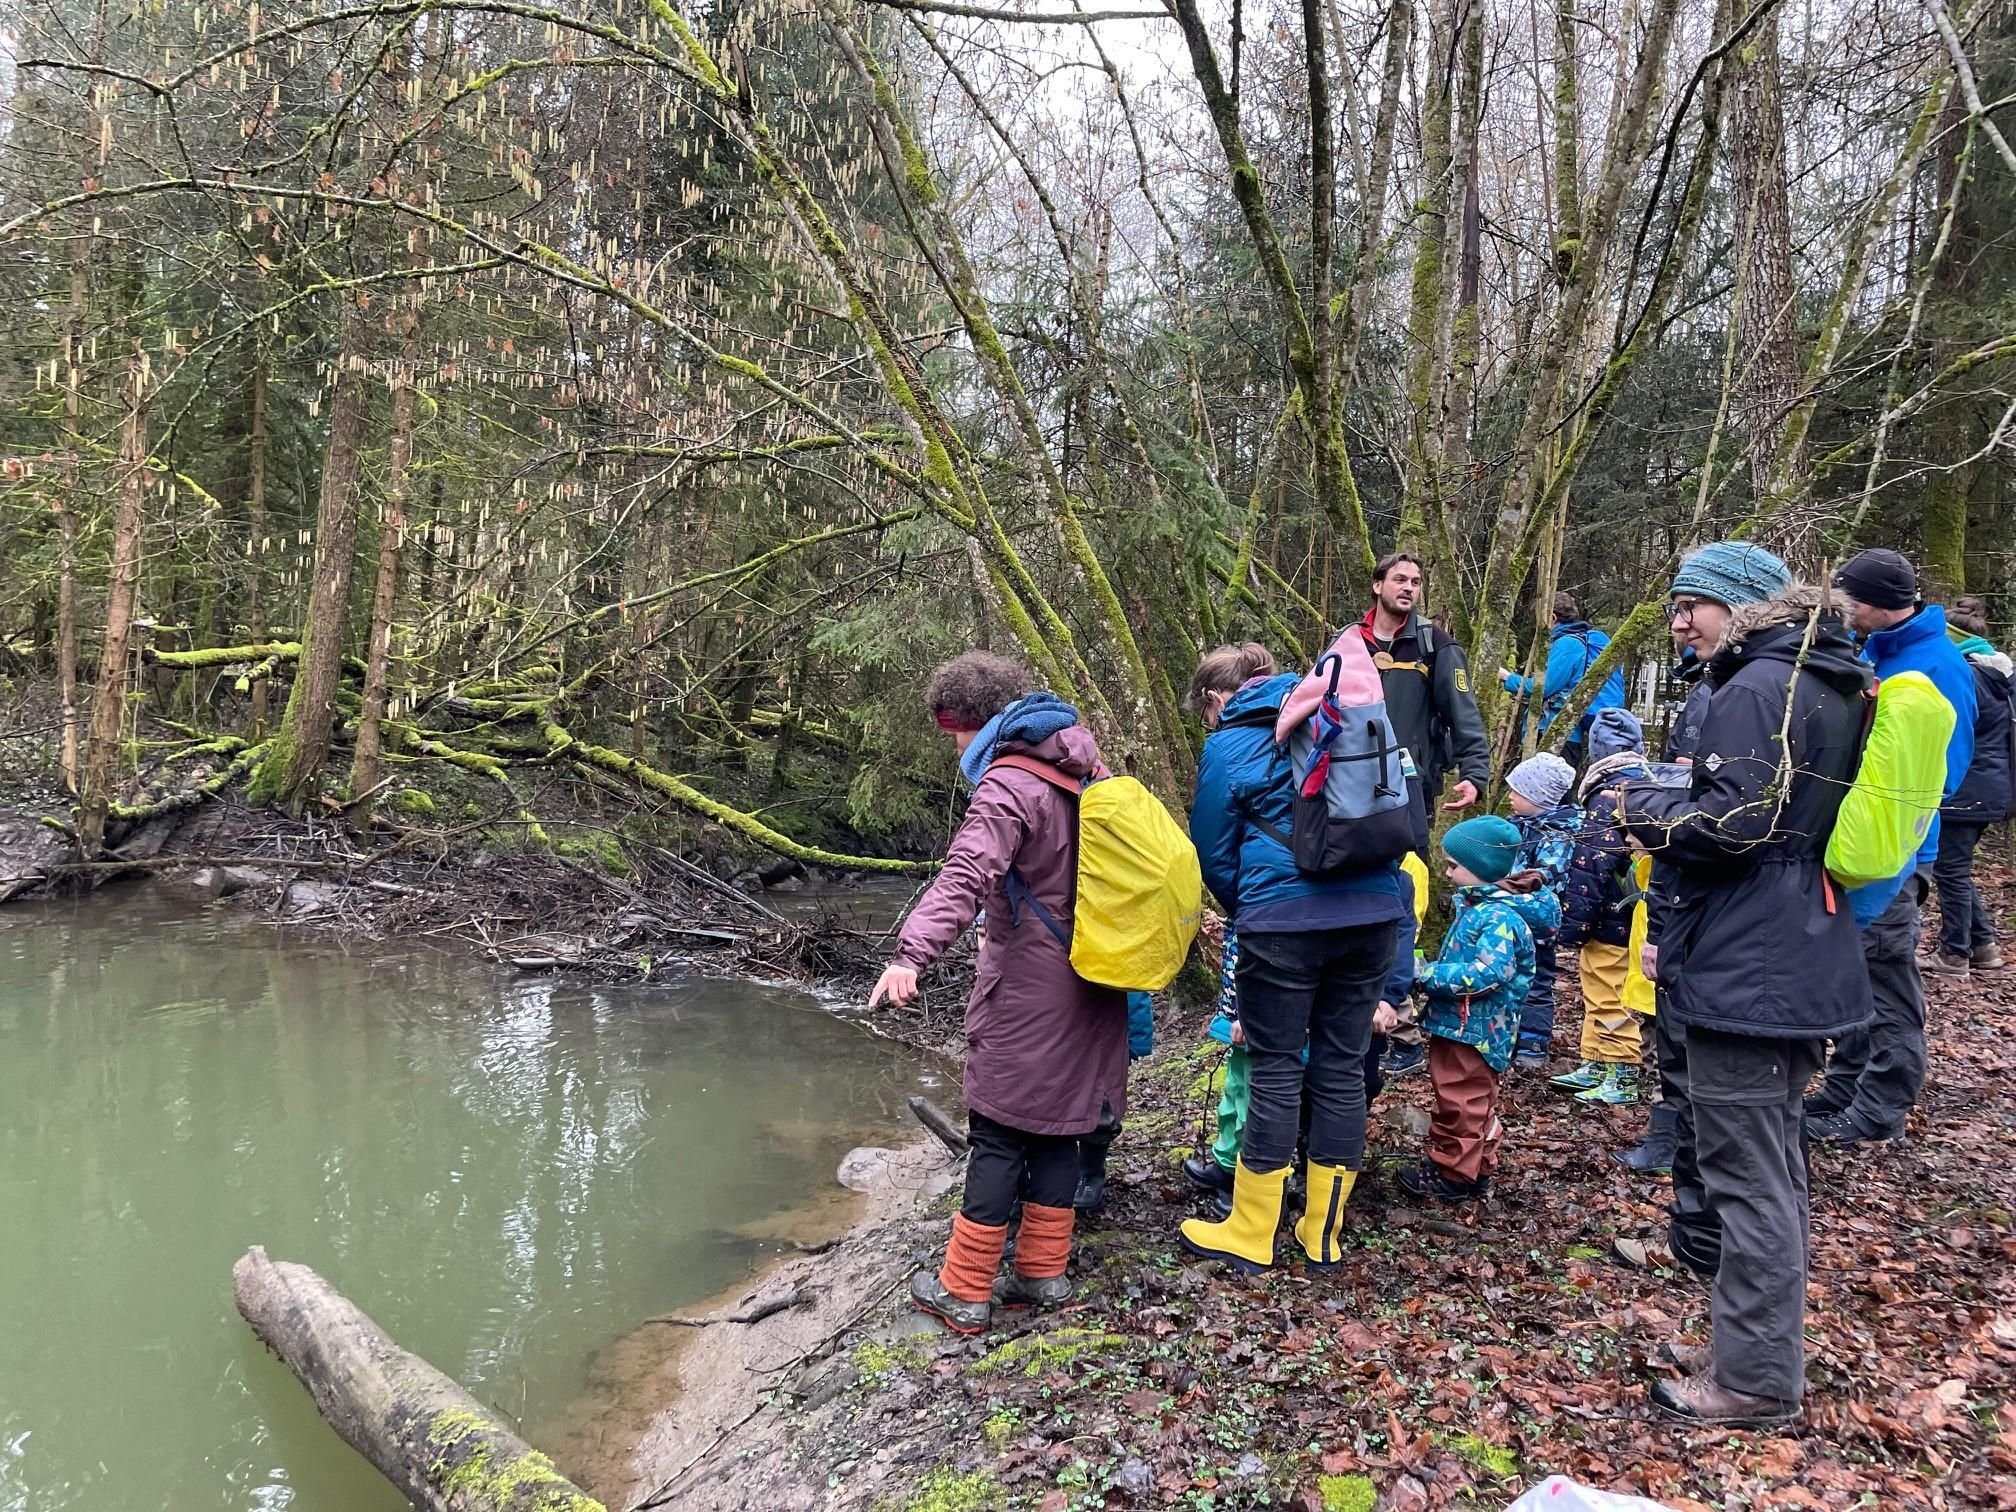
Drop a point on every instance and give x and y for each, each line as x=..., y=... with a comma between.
x=1703, y=1399
x=1692, y=1359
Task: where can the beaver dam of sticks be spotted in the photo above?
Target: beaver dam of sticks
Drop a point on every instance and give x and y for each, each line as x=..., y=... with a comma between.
x=572, y=870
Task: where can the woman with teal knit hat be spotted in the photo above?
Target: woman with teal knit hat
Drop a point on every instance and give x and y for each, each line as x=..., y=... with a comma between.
x=1714, y=581
x=1475, y=988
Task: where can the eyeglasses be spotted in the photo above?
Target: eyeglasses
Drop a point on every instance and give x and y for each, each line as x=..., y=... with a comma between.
x=1682, y=612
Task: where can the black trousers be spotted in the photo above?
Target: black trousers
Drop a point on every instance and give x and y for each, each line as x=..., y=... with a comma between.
x=1004, y=1165
x=1877, y=1072
x=1314, y=989
x=1965, y=925
x=1694, y=1233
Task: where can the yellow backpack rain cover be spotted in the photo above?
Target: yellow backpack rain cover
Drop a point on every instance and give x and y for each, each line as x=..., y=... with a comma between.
x=1140, y=889
x=1640, y=995
x=1897, y=788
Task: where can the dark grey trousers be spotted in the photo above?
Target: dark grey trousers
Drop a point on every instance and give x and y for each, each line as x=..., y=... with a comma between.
x=1748, y=1130
x=1877, y=1072
x=1965, y=925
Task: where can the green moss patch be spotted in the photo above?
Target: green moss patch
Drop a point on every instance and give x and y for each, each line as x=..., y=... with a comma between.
x=946, y=1490
x=465, y=1466
x=1036, y=1355
x=1347, y=1493
x=1502, y=1463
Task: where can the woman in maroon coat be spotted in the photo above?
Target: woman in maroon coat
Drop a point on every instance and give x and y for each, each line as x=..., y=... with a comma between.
x=1046, y=1051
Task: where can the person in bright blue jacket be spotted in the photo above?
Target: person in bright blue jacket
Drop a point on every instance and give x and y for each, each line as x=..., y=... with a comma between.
x=1876, y=1073
x=1572, y=650
x=1313, y=960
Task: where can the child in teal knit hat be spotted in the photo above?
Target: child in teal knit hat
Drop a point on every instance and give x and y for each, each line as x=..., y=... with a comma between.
x=1474, y=990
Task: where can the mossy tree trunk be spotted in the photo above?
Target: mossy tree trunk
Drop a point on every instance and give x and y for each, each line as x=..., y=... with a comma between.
x=108, y=704
x=1768, y=367
x=255, y=517
x=299, y=748
x=385, y=588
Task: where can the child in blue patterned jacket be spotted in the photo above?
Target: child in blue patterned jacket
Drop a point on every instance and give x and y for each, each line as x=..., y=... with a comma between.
x=1475, y=988
x=1538, y=792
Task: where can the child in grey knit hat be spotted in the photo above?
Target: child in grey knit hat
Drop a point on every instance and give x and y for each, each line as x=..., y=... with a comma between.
x=1542, y=789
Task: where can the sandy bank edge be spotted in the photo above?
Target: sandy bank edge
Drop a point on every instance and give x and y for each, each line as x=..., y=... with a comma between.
x=713, y=1443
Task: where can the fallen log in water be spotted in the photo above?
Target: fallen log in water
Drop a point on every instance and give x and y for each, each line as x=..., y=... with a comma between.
x=939, y=1122
x=424, y=1433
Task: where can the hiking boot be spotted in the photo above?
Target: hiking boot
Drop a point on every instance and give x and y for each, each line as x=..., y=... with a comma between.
x=1939, y=963
x=1703, y=1399
x=930, y=1296
x=1401, y=1059
x=1847, y=1129
x=1640, y=1255
x=1618, y=1089
x=1581, y=1079
x=1818, y=1105
x=1221, y=1206
x=1018, y=1290
x=1688, y=1359
x=1987, y=958
x=1424, y=1179
x=1206, y=1172
x=1653, y=1155
x=1531, y=1058
x=1698, y=1359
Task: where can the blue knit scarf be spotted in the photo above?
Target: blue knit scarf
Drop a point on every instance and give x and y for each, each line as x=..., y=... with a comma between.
x=1027, y=721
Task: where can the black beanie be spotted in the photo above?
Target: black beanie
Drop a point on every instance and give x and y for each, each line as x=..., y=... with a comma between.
x=1879, y=578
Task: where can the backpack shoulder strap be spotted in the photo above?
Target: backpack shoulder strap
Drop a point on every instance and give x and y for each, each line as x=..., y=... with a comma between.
x=1053, y=775
x=1020, y=895
x=1869, y=696
x=1258, y=719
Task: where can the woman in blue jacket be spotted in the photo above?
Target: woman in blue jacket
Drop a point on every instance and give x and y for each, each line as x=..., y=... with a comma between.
x=1313, y=958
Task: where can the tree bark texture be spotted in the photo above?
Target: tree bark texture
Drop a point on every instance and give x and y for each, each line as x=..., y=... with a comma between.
x=108, y=704
x=385, y=590
x=255, y=511
x=69, y=495
x=1768, y=369
x=302, y=744
x=441, y=1447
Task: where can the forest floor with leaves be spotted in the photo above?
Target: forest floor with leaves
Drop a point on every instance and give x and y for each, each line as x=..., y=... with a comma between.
x=1458, y=1356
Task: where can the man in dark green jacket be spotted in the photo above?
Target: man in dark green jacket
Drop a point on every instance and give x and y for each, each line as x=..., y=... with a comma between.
x=1428, y=695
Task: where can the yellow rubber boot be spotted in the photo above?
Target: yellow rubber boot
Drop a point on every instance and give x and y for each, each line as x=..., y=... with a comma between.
x=1246, y=1239
x=1320, y=1229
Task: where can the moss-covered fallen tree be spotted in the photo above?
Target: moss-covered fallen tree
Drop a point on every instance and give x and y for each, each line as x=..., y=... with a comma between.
x=270, y=652
x=189, y=797
x=746, y=825
x=442, y=1448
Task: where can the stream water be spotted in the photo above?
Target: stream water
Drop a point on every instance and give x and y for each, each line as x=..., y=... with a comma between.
x=506, y=1173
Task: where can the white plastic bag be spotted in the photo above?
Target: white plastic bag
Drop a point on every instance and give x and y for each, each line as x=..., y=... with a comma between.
x=1557, y=1493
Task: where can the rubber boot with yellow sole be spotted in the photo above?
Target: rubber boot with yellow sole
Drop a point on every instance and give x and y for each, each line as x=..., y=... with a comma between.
x=1246, y=1239
x=1320, y=1229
